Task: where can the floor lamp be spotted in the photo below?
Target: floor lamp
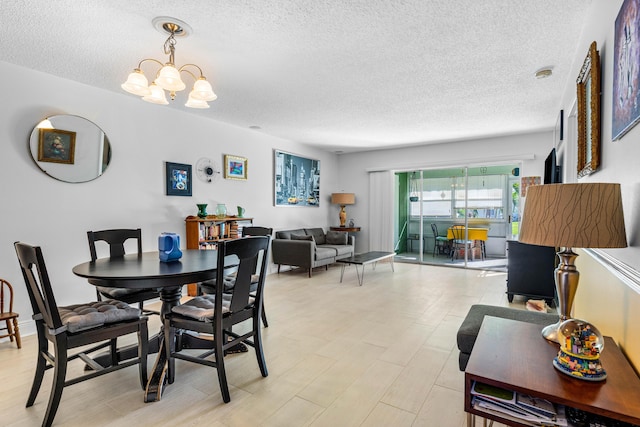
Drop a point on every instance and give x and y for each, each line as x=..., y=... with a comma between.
x=570, y=216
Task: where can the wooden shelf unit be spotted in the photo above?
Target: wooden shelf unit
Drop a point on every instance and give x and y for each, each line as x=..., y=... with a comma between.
x=204, y=233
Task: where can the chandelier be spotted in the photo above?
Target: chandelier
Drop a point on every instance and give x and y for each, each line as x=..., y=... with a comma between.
x=167, y=77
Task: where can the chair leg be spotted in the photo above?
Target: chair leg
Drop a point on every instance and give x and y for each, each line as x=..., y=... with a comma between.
x=278, y=268
x=16, y=332
x=257, y=341
x=9, y=329
x=143, y=351
x=59, y=374
x=222, y=374
x=113, y=349
x=169, y=347
x=41, y=365
x=264, y=317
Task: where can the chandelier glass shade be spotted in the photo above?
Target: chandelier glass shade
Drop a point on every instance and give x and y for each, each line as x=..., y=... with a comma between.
x=168, y=77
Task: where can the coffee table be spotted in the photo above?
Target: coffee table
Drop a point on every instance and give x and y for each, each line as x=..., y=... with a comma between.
x=513, y=355
x=364, y=259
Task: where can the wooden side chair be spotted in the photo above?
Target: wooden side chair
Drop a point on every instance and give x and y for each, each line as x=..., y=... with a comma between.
x=216, y=314
x=7, y=315
x=92, y=326
x=116, y=240
x=208, y=287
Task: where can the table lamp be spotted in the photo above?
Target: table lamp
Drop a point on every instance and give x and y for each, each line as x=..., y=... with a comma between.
x=570, y=216
x=343, y=199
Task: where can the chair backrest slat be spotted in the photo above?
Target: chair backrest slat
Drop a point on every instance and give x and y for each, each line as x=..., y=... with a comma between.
x=4, y=297
x=38, y=285
x=248, y=251
x=458, y=232
x=115, y=239
x=256, y=231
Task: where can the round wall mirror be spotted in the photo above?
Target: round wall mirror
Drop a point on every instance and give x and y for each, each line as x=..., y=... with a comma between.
x=70, y=148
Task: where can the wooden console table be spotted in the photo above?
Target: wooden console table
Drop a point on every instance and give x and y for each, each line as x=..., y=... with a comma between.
x=513, y=355
x=347, y=229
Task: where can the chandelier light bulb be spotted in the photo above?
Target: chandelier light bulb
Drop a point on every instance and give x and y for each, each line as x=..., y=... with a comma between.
x=202, y=90
x=136, y=83
x=169, y=79
x=157, y=95
x=196, y=103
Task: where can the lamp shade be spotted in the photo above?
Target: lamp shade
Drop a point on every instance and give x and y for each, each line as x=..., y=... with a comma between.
x=137, y=83
x=169, y=79
x=343, y=199
x=202, y=90
x=156, y=95
x=585, y=215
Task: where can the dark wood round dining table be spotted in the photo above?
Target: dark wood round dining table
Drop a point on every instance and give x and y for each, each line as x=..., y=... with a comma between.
x=141, y=271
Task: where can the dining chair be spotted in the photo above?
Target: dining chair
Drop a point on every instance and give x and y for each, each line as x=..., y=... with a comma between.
x=459, y=243
x=7, y=315
x=208, y=287
x=116, y=239
x=92, y=326
x=217, y=313
x=440, y=243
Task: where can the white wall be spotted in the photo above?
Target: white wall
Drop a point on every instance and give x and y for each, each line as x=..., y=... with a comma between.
x=354, y=168
x=39, y=210
x=602, y=298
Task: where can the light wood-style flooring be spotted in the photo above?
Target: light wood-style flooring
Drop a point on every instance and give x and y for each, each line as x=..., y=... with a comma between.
x=381, y=354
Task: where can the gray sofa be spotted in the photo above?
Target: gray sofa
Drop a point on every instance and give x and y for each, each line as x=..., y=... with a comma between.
x=311, y=247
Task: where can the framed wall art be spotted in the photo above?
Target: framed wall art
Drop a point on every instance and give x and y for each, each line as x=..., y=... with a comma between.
x=178, y=179
x=558, y=131
x=626, y=70
x=56, y=146
x=296, y=180
x=588, y=88
x=235, y=167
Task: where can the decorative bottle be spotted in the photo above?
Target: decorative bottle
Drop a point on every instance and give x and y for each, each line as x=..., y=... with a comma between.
x=221, y=210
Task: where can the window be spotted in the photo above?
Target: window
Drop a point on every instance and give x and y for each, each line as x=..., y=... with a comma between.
x=445, y=197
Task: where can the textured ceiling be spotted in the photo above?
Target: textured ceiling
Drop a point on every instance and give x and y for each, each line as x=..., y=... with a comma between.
x=343, y=75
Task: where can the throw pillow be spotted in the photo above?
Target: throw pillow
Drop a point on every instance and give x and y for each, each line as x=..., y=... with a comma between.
x=301, y=237
x=336, y=238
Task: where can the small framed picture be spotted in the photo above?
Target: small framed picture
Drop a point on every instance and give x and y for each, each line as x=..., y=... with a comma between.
x=235, y=167
x=178, y=179
x=56, y=146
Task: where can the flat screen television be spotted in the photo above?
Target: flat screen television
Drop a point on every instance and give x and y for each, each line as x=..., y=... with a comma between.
x=552, y=171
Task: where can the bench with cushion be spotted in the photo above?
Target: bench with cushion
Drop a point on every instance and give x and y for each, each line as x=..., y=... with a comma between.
x=468, y=331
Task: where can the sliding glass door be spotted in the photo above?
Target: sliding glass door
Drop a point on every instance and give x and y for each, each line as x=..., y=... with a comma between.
x=480, y=199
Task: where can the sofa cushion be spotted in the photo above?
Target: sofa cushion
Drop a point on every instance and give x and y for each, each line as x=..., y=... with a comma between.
x=318, y=235
x=286, y=234
x=324, y=252
x=336, y=238
x=340, y=250
x=301, y=237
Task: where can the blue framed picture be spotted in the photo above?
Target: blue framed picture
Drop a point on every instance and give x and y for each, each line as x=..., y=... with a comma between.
x=178, y=179
x=235, y=167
